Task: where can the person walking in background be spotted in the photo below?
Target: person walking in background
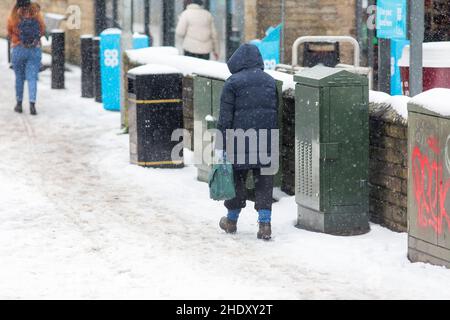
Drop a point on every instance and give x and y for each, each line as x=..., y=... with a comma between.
x=25, y=28
x=248, y=102
x=197, y=30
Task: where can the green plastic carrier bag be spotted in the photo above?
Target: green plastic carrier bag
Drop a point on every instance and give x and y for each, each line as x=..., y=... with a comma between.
x=221, y=182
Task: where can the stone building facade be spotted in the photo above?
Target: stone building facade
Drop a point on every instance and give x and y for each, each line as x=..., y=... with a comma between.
x=302, y=18
x=306, y=17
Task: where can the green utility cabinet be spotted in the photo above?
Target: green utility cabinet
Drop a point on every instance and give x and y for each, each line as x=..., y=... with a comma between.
x=207, y=94
x=428, y=186
x=332, y=151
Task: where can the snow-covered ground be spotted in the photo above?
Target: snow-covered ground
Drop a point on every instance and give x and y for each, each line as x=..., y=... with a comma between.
x=78, y=221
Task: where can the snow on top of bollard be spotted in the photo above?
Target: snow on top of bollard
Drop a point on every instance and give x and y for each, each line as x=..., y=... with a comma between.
x=435, y=55
x=112, y=31
x=153, y=69
x=436, y=100
x=139, y=35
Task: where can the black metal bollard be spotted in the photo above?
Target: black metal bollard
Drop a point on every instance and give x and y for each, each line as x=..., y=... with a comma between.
x=96, y=69
x=87, y=74
x=58, y=59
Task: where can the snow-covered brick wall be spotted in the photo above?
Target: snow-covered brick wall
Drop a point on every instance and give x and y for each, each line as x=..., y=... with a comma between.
x=391, y=108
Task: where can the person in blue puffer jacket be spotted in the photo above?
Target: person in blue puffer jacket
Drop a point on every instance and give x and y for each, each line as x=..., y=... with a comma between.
x=249, y=105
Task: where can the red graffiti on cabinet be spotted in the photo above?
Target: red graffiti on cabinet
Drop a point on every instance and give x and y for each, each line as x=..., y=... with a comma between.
x=430, y=190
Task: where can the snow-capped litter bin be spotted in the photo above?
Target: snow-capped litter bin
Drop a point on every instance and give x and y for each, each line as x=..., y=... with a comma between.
x=155, y=112
x=436, y=66
x=429, y=178
x=332, y=151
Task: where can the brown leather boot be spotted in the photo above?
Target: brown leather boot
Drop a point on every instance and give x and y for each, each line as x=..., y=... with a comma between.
x=265, y=231
x=228, y=226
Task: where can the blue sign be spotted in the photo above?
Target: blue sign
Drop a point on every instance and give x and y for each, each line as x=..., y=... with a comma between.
x=140, y=41
x=270, y=47
x=110, y=61
x=392, y=19
x=397, y=47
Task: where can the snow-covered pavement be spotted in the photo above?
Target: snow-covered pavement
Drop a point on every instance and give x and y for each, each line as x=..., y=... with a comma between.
x=78, y=221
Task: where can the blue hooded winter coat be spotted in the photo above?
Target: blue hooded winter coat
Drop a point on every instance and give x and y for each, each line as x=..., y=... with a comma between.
x=249, y=101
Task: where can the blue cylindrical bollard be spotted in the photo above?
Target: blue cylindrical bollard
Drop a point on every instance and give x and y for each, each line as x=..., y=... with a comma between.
x=110, y=61
x=140, y=41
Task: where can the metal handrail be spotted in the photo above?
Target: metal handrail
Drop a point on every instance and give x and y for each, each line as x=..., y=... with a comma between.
x=332, y=39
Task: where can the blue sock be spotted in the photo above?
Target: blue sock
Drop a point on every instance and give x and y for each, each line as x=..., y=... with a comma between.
x=233, y=215
x=265, y=216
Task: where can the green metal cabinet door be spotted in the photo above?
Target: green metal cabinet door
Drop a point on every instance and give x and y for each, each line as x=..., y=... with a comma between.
x=278, y=181
x=217, y=88
x=307, y=147
x=422, y=152
x=444, y=192
x=346, y=147
x=202, y=108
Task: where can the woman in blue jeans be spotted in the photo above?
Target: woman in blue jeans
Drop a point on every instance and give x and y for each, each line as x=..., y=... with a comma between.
x=25, y=28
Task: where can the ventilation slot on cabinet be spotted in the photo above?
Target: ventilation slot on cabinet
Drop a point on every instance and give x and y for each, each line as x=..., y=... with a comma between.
x=305, y=176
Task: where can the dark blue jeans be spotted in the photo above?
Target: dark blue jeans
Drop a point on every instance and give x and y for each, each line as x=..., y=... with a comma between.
x=26, y=63
x=263, y=191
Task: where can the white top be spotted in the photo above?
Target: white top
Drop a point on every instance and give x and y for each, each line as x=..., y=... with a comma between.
x=196, y=28
x=153, y=69
x=435, y=55
x=435, y=100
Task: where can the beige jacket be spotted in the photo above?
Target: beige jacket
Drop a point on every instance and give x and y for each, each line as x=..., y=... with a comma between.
x=197, y=30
